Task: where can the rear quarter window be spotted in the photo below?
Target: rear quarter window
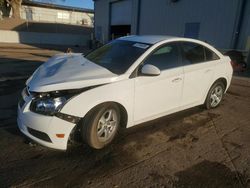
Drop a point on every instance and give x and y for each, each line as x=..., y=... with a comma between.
x=210, y=55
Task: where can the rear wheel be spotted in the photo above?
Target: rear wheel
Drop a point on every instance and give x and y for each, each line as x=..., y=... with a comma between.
x=215, y=95
x=101, y=125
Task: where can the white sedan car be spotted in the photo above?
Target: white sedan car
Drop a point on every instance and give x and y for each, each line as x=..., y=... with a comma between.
x=126, y=82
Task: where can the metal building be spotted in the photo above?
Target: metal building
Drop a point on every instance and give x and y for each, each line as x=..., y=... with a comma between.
x=222, y=23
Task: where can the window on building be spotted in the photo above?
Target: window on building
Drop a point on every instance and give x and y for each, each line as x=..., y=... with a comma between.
x=84, y=22
x=63, y=15
x=192, y=30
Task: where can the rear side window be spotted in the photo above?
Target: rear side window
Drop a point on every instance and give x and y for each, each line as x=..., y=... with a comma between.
x=165, y=57
x=193, y=53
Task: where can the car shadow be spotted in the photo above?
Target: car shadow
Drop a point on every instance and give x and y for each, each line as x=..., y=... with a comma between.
x=210, y=174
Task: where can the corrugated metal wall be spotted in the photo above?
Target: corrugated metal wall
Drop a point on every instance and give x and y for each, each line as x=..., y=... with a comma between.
x=216, y=19
x=244, y=37
x=121, y=13
x=101, y=23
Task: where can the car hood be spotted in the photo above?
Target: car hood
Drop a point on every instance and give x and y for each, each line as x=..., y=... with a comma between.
x=68, y=71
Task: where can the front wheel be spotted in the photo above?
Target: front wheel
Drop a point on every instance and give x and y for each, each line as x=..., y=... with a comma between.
x=101, y=125
x=215, y=95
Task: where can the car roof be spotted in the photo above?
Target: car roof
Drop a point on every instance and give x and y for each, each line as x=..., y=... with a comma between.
x=153, y=39
x=148, y=39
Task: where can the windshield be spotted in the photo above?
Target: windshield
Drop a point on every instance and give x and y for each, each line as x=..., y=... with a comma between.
x=118, y=55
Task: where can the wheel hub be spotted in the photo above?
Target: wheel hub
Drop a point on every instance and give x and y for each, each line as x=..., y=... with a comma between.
x=216, y=96
x=107, y=125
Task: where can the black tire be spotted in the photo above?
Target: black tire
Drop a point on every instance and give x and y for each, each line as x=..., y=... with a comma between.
x=90, y=124
x=208, y=102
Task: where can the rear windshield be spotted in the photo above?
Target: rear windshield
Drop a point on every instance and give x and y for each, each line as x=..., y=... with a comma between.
x=118, y=55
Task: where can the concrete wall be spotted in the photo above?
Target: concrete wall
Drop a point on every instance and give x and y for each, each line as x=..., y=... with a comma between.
x=55, y=15
x=43, y=38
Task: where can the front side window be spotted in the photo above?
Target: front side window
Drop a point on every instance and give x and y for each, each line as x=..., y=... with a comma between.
x=165, y=57
x=118, y=55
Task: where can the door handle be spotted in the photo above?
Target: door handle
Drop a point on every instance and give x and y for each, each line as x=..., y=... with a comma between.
x=176, y=80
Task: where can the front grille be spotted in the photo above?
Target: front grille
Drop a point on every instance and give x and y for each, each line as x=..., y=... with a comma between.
x=38, y=134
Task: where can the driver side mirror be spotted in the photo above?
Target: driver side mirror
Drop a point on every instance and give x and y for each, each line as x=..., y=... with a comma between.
x=150, y=70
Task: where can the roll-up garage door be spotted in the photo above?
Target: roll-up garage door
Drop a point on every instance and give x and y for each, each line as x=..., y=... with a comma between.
x=121, y=13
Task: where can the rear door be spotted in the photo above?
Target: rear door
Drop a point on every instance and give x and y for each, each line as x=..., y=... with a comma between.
x=199, y=63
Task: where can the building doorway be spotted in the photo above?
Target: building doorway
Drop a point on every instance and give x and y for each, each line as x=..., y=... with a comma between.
x=120, y=18
x=117, y=31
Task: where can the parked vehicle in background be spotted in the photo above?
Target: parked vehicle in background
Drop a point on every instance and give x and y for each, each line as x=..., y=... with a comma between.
x=237, y=60
x=126, y=82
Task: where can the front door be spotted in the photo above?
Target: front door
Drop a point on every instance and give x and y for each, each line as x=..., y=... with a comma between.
x=159, y=95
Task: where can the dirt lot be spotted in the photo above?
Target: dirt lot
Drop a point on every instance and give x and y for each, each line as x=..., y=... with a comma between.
x=194, y=148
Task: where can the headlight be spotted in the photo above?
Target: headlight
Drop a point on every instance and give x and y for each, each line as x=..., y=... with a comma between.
x=47, y=105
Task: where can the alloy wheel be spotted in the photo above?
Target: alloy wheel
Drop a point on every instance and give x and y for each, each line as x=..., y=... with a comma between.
x=107, y=125
x=216, y=96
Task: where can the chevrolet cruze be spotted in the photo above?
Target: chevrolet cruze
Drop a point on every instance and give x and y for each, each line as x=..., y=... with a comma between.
x=126, y=82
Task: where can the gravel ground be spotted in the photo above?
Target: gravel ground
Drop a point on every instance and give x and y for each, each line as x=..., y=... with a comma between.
x=193, y=148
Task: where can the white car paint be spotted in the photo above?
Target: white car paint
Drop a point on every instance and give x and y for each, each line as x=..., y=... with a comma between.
x=68, y=71
x=144, y=98
x=153, y=90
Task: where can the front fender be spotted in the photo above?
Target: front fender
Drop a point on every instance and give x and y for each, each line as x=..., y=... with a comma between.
x=121, y=92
